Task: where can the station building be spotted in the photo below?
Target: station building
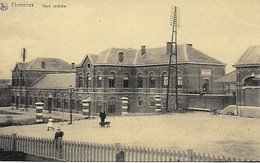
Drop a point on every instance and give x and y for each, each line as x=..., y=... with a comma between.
x=120, y=76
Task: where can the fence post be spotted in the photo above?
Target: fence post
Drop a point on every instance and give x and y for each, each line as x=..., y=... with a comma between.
x=190, y=155
x=120, y=155
x=14, y=139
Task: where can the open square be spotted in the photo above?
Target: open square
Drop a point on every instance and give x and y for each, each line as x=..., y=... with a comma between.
x=222, y=135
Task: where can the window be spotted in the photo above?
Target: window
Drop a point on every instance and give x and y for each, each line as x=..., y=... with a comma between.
x=58, y=102
x=14, y=80
x=152, y=80
x=151, y=102
x=42, y=98
x=23, y=81
x=126, y=81
x=88, y=65
x=111, y=81
x=99, y=80
x=112, y=105
x=88, y=81
x=73, y=102
x=139, y=101
x=120, y=56
x=79, y=103
x=80, y=80
x=99, y=105
x=164, y=80
x=252, y=81
x=140, y=81
x=205, y=86
x=65, y=102
x=179, y=82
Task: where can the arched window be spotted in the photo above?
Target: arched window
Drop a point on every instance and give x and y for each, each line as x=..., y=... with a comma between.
x=80, y=80
x=79, y=103
x=99, y=80
x=126, y=81
x=111, y=105
x=42, y=98
x=58, y=101
x=179, y=81
x=88, y=82
x=140, y=80
x=73, y=102
x=151, y=80
x=14, y=80
x=66, y=102
x=252, y=81
x=99, y=105
x=24, y=80
x=139, y=101
x=151, y=101
x=111, y=80
x=164, y=80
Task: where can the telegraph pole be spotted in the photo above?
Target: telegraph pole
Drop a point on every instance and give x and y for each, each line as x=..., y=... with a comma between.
x=174, y=23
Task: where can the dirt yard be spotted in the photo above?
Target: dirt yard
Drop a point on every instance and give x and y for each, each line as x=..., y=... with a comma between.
x=229, y=136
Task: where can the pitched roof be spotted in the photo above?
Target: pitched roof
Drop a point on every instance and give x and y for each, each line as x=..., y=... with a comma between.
x=55, y=81
x=227, y=78
x=250, y=57
x=110, y=56
x=51, y=64
x=186, y=54
x=92, y=57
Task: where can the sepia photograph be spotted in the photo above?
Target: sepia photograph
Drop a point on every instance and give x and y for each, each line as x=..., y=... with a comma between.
x=130, y=80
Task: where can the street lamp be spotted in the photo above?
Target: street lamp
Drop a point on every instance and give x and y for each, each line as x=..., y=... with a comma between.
x=70, y=93
x=17, y=100
x=50, y=103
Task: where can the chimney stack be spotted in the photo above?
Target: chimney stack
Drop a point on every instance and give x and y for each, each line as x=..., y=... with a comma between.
x=72, y=65
x=43, y=64
x=23, y=54
x=143, y=49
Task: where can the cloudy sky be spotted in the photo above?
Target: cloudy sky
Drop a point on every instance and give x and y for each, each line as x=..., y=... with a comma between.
x=223, y=29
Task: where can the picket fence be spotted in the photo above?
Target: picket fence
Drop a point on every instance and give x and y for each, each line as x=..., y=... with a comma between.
x=81, y=151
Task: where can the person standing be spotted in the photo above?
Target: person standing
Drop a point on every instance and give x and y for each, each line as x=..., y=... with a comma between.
x=102, y=116
x=58, y=141
x=50, y=125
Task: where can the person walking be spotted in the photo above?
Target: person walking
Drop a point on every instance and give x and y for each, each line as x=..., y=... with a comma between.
x=102, y=116
x=50, y=125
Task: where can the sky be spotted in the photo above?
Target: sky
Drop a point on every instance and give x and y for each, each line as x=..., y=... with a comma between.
x=222, y=29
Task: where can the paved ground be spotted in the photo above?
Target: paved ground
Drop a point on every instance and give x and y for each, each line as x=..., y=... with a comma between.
x=203, y=132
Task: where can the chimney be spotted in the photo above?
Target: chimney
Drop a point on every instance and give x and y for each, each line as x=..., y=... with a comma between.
x=23, y=54
x=143, y=49
x=72, y=65
x=43, y=64
x=190, y=45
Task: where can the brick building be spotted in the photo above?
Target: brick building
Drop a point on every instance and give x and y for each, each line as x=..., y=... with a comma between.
x=137, y=76
x=26, y=73
x=248, y=77
x=141, y=75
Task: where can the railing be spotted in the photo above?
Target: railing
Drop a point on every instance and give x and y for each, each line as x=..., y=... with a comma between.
x=80, y=151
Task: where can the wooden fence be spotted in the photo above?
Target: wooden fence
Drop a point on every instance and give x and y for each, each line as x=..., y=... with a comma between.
x=80, y=151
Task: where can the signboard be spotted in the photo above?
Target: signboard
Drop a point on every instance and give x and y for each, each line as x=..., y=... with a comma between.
x=205, y=71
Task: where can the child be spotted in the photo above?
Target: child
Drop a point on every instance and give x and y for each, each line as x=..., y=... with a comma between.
x=49, y=125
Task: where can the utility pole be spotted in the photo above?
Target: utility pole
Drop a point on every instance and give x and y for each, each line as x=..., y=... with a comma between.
x=70, y=102
x=174, y=23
